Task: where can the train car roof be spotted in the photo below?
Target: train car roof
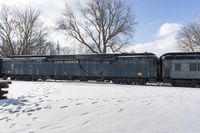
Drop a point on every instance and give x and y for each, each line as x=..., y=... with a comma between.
x=83, y=56
x=181, y=55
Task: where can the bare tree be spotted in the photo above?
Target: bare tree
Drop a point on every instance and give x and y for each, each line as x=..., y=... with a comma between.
x=107, y=25
x=31, y=31
x=21, y=31
x=7, y=28
x=189, y=37
x=51, y=48
x=48, y=48
x=57, y=49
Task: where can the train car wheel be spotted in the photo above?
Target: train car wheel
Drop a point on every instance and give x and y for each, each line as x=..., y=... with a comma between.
x=34, y=78
x=44, y=78
x=129, y=81
x=5, y=77
x=115, y=81
x=12, y=77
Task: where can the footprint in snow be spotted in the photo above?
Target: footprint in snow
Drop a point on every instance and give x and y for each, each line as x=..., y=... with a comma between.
x=63, y=107
x=33, y=110
x=148, y=103
x=79, y=103
x=120, y=110
x=143, y=101
x=86, y=113
x=4, y=118
x=19, y=107
x=31, y=96
x=13, y=111
x=17, y=115
x=86, y=122
x=41, y=101
x=36, y=104
x=105, y=100
x=34, y=118
x=12, y=125
x=94, y=102
x=4, y=105
x=70, y=99
x=119, y=101
x=29, y=114
x=171, y=101
x=47, y=107
x=128, y=99
x=28, y=125
x=47, y=126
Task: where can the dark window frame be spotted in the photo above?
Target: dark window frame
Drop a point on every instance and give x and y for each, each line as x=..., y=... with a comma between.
x=198, y=67
x=193, y=67
x=177, y=67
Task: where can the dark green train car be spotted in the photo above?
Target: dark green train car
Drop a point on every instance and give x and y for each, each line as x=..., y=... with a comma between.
x=119, y=68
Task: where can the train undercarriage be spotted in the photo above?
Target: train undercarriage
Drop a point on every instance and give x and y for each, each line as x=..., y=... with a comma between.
x=115, y=80
x=185, y=82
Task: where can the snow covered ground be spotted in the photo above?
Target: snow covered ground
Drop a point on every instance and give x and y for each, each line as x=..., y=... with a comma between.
x=74, y=107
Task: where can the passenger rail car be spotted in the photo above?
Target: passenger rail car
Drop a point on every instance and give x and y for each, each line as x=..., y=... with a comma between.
x=181, y=69
x=118, y=68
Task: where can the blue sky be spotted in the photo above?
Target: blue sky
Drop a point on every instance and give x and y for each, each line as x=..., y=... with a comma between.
x=151, y=14
x=159, y=21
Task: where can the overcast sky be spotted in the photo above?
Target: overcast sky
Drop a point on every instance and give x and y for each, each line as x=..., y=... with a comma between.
x=159, y=20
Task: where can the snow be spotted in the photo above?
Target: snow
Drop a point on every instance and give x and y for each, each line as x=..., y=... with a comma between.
x=77, y=107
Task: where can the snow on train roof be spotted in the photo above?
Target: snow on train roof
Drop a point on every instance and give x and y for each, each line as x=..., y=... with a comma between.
x=181, y=55
x=25, y=58
x=83, y=56
x=90, y=57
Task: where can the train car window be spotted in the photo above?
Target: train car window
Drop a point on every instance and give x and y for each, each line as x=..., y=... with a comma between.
x=198, y=66
x=167, y=63
x=12, y=66
x=144, y=61
x=121, y=61
x=107, y=62
x=141, y=61
x=193, y=67
x=177, y=67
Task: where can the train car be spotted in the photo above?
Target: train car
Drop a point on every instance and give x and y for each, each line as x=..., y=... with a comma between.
x=25, y=68
x=119, y=68
x=181, y=69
